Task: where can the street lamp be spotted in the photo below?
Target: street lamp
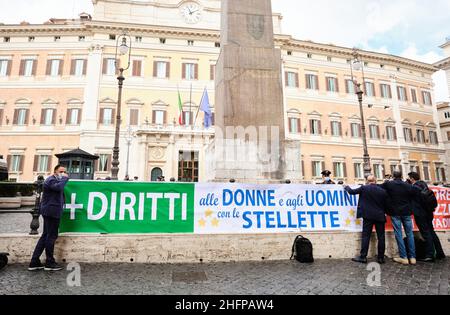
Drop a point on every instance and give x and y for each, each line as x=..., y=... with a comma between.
x=121, y=50
x=357, y=65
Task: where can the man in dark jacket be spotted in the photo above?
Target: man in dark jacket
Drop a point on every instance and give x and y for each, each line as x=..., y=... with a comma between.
x=372, y=208
x=400, y=195
x=424, y=219
x=420, y=215
x=52, y=207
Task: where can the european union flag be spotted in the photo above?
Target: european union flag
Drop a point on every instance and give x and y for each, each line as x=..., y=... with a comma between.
x=205, y=107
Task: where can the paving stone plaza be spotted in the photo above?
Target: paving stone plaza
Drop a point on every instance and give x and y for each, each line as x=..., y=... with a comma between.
x=325, y=277
x=256, y=278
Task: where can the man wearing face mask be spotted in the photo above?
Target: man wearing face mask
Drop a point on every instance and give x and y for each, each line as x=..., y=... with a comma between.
x=326, y=175
x=52, y=206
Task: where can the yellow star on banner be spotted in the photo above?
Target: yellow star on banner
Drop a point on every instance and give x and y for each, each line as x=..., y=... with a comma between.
x=352, y=213
x=348, y=222
x=215, y=222
x=358, y=222
x=202, y=223
x=208, y=213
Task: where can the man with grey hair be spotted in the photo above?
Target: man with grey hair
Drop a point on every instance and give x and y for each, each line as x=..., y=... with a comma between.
x=372, y=207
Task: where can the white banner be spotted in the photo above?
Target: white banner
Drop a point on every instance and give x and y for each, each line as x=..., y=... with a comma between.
x=243, y=209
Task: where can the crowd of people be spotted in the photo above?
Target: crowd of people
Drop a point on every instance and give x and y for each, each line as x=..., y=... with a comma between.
x=400, y=200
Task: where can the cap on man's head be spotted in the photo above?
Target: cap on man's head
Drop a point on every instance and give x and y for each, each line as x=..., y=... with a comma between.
x=326, y=173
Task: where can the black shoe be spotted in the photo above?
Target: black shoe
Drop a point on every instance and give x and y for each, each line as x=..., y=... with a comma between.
x=53, y=267
x=427, y=260
x=360, y=260
x=381, y=261
x=35, y=266
x=440, y=257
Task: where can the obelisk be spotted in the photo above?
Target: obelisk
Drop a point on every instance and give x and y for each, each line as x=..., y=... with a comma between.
x=249, y=98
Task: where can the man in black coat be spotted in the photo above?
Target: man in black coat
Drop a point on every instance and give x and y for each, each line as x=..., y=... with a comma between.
x=373, y=203
x=400, y=210
x=52, y=207
x=420, y=215
x=424, y=219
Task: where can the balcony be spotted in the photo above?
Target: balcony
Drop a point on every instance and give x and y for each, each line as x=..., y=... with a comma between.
x=174, y=129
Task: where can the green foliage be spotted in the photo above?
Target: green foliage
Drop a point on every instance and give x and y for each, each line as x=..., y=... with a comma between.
x=8, y=189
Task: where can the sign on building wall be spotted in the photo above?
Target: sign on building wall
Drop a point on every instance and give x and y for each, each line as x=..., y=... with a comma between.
x=156, y=208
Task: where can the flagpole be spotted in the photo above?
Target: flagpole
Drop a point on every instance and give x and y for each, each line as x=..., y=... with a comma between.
x=198, y=109
x=178, y=100
x=190, y=107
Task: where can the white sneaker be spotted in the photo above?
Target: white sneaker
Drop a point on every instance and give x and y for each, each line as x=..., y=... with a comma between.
x=402, y=261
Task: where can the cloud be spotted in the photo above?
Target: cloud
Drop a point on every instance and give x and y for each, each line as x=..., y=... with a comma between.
x=393, y=24
x=412, y=52
x=34, y=11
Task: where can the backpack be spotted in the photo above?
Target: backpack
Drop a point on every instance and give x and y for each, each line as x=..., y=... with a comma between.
x=302, y=250
x=429, y=199
x=3, y=260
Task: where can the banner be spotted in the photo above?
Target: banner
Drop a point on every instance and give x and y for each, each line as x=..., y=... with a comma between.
x=442, y=214
x=239, y=208
x=128, y=207
x=210, y=208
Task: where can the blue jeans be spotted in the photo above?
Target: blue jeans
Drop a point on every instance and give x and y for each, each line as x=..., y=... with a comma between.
x=407, y=223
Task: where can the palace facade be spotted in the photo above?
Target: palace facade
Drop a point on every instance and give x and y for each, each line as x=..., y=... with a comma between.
x=58, y=92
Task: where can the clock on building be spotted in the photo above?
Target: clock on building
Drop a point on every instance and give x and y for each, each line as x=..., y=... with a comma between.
x=191, y=12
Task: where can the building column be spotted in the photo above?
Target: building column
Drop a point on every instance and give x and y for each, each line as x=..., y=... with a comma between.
x=143, y=157
x=92, y=89
x=172, y=159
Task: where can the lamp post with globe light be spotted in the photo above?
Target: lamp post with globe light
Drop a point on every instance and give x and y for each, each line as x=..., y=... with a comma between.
x=357, y=65
x=121, y=50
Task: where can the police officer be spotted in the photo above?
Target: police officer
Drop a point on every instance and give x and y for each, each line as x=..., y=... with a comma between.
x=326, y=175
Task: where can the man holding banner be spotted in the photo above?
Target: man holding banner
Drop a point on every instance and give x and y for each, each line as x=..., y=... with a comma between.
x=424, y=216
x=51, y=210
x=420, y=210
x=401, y=194
x=372, y=207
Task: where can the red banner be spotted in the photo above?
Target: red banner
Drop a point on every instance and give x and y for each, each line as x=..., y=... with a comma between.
x=442, y=214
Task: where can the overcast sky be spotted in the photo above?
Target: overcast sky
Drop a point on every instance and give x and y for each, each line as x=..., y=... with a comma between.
x=410, y=28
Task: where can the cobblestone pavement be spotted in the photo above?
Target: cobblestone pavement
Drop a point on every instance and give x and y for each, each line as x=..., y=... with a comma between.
x=283, y=277
x=261, y=278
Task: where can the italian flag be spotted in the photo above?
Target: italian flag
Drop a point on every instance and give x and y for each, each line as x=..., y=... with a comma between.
x=180, y=106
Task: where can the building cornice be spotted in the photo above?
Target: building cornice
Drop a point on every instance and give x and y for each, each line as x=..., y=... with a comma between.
x=131, y=28
x=443, y=64
x=446, y=44
x=166, y=4
x=32, y=29
x=285, y=41
x=441, y=105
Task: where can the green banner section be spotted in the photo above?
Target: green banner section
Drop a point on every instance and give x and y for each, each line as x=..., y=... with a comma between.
x=128, y=207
